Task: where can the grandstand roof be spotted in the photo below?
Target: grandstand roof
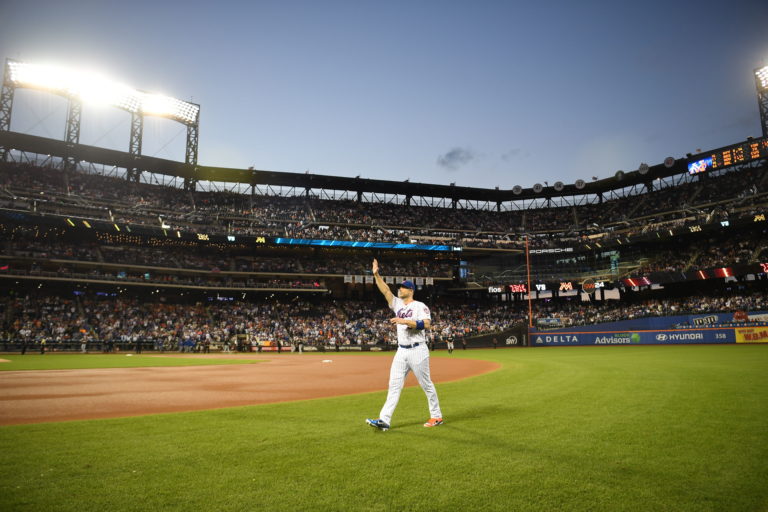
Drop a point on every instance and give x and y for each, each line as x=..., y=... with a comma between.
x=58, y=148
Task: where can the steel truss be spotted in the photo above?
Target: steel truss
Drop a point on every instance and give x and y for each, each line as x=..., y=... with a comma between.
x=72, y=134
x=6, y=107
x=191, y=155
x=134, y=146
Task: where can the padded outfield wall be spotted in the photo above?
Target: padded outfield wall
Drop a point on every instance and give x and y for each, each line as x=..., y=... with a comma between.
x=668, y=330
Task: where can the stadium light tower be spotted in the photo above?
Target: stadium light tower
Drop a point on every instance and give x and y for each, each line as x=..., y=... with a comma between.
x=86, y=87
x=761, y=82
x=6, y=107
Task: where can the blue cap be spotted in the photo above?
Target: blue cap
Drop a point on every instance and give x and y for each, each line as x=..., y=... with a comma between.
x=408, y=284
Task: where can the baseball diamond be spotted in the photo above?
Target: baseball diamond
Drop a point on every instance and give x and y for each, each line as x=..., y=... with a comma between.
x=393, y=256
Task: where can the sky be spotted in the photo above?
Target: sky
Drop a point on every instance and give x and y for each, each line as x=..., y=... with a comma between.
x=476, y=93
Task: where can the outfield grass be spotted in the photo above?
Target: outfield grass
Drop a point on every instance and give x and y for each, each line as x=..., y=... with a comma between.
x=599, y=428
x=84, y=361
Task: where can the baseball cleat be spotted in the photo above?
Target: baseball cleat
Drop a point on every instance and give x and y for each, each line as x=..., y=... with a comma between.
x=433, y=422
x=378, y=424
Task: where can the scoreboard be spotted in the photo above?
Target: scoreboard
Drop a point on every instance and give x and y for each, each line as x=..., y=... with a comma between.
x=740, y=153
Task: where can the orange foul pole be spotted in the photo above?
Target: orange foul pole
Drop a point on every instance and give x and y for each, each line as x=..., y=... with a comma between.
x=528, y=268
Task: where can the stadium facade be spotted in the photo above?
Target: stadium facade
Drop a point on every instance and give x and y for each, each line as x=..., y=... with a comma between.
x=87, y=231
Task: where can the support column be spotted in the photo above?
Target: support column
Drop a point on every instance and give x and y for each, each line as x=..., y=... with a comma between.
x=6, y=107
x=191, y=157
x=134, y=147
x=72, y=135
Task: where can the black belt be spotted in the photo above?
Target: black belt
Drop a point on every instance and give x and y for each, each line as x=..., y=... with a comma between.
x=409, y=346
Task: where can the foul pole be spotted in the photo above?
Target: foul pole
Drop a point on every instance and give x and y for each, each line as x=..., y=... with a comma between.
x=528, y=269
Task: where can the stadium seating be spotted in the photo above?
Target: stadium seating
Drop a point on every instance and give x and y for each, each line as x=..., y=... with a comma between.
x=98, y=283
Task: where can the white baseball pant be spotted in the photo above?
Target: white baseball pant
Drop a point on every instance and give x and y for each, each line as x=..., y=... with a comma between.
x=414, y=359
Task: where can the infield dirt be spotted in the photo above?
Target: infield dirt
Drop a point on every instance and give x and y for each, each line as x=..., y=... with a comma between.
x=60, y=395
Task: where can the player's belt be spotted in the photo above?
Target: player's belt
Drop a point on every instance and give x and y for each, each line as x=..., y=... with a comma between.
x=409, y=346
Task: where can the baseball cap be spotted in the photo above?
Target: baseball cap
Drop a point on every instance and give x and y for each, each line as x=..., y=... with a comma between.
x=408, y=284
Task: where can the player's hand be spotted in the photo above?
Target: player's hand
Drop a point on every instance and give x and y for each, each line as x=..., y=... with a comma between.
x=397, y=320
x=375, y=266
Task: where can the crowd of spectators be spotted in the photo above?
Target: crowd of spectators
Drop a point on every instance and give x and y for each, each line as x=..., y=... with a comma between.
x=731, y=252
x=231, y=325
x=33, y=251
x=65, y=321
x=208, y=281
x=726, y=249
x=577, y=312
x=734, y=185
x=96, y=196
x=705, y=254
x=147, y=256
x=453, y=321
x=51, y=249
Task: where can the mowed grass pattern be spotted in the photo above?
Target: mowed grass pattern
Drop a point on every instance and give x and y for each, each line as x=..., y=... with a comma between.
x=641, y=428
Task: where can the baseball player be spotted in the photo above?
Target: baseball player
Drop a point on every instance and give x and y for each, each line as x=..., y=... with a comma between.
x=448, y=339
x=412, y=317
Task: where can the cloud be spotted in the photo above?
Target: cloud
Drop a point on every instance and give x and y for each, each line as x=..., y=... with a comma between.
x=515, y=153
x=456, y=158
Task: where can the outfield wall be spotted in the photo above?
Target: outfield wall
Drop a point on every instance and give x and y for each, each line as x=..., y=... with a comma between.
x=515, y=337
x=714, y=328
x=597, y=335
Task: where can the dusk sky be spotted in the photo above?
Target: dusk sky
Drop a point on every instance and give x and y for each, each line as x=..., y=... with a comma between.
x=483, y=93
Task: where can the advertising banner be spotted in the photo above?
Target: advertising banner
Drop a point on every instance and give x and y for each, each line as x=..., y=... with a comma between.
x=627, y=337
x=752, y=335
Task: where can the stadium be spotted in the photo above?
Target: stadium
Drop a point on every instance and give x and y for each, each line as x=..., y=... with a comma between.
x=258, y=339
x=83, y=229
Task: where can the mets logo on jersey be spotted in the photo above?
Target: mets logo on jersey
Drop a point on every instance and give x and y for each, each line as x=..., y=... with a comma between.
x=408, y=313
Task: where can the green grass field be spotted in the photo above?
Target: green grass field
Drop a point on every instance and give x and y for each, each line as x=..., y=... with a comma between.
x=83, y=361
x=643, y=428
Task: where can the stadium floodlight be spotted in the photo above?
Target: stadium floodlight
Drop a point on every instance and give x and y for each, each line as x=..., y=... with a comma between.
x=761, y=82
x=761, y=76
x=31, y=75
x=98, y=90
x=93, y=88
x=86, y=86
x=164, y=106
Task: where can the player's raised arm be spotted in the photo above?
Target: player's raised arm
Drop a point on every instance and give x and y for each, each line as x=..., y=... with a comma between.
x=383, y=288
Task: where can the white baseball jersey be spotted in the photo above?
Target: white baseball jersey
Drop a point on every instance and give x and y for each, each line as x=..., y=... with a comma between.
x=414, y=310
x=415, y=358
